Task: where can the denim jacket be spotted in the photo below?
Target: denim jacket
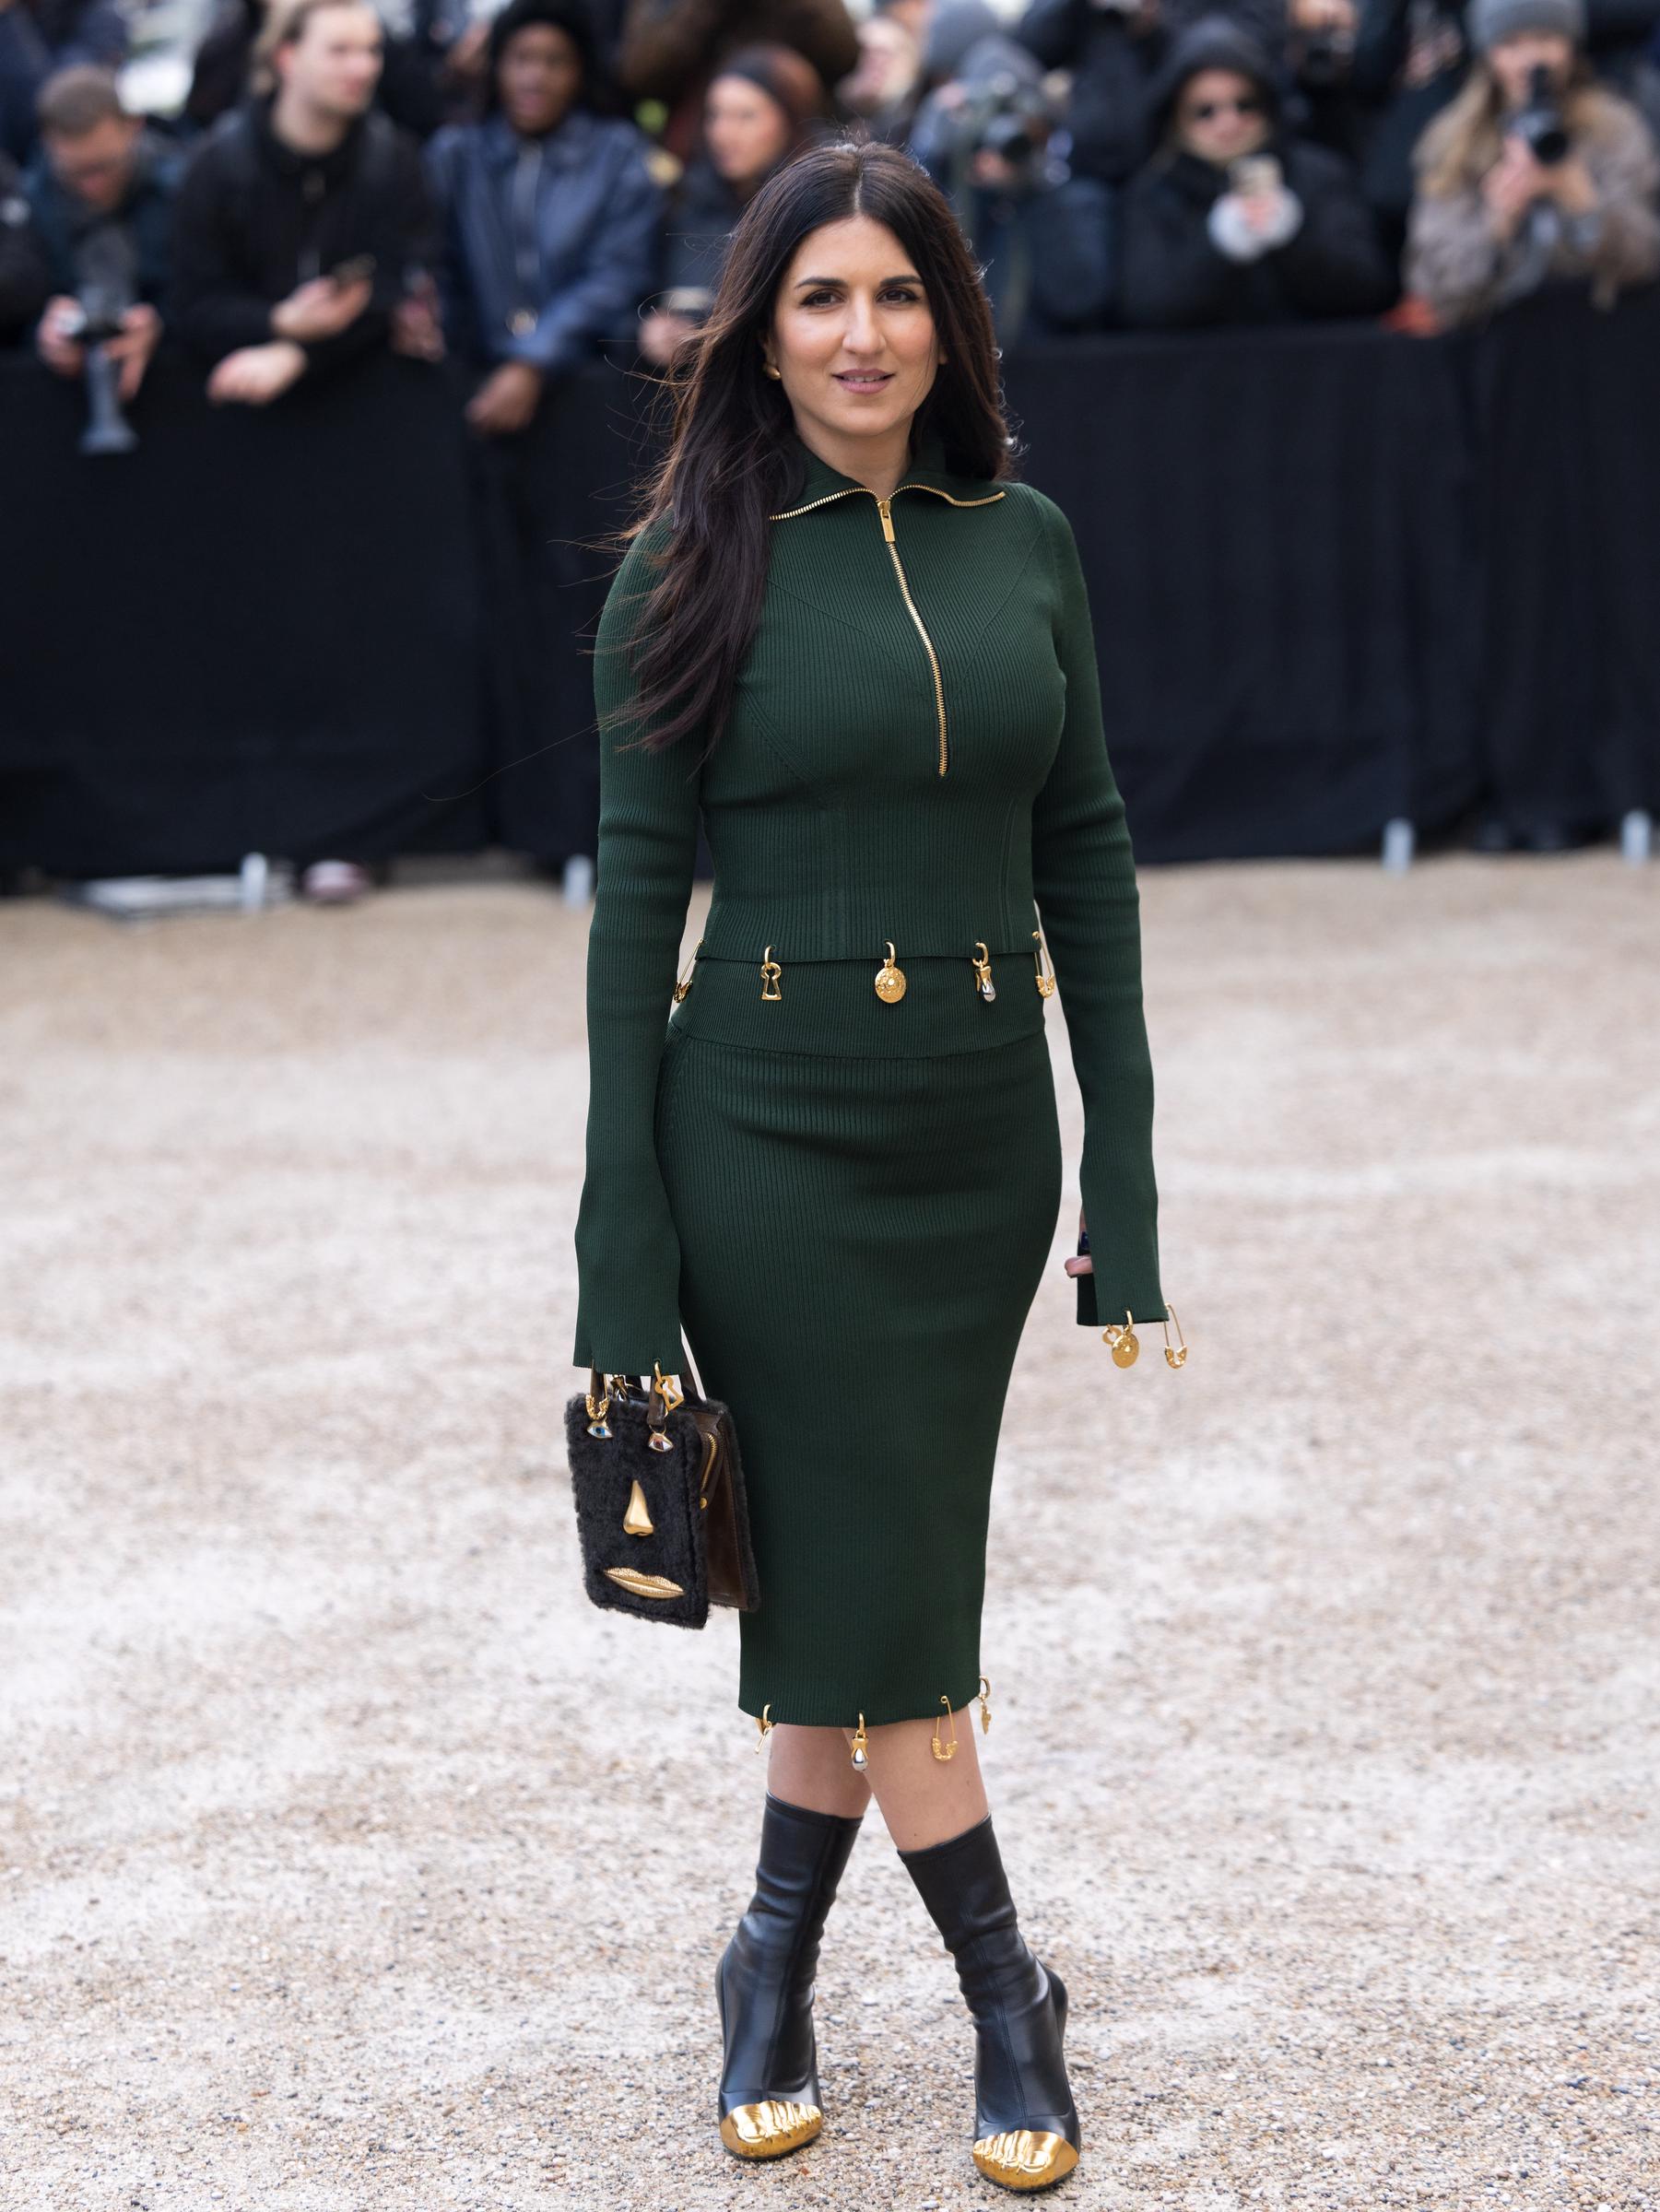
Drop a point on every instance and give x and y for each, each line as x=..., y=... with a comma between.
x=550, y=244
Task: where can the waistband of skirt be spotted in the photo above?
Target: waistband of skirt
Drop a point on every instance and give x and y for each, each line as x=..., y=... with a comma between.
x=834, y=1006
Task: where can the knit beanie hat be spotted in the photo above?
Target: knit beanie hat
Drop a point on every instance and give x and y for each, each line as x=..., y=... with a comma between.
x=1487, y=21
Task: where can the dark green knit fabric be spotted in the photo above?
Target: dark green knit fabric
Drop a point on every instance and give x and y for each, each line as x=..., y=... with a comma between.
x=833, y=830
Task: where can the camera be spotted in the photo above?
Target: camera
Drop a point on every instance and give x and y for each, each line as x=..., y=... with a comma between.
x=1007, y=117
x=1540, y=124
x=106, y=294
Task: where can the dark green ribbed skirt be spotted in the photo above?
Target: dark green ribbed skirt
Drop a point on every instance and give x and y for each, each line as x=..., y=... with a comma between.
x=865, y=1197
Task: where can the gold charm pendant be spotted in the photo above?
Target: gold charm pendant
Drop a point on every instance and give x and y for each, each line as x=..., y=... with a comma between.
x=985, y=1707
x=1125, y=1344
x=861, y=1747
x=598, y=1409
x=763, y=1726
x=982, y=972
x=1175, y=1354
x=769, y=973
x=684, y=985
x=945, y=1751
x=890, y=980
x=1045, y=982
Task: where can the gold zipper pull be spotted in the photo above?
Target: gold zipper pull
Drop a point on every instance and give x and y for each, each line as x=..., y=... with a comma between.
x=886, y=512
x=982, y=972
x=769, y=973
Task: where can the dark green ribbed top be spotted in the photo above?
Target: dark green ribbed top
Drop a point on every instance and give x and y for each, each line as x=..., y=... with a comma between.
x=834, y=829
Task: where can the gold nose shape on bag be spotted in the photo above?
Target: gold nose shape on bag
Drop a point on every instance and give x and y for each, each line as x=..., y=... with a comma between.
x=637, y=1520
x=891, y=977
x=769, y=973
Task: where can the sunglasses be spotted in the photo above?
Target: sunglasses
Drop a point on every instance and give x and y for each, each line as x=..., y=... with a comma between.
x=1208, y=110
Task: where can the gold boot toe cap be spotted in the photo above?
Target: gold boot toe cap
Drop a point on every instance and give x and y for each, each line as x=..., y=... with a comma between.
x=767, y=2130
x=1025, y=2158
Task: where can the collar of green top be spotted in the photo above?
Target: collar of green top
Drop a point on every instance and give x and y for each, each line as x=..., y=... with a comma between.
x=926, y=467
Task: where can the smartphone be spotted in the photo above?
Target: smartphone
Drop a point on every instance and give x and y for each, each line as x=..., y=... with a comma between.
x=1255, y=175
x=354, y=271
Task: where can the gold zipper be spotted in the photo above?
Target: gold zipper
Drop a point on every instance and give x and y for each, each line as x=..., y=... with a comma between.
x=884, y=509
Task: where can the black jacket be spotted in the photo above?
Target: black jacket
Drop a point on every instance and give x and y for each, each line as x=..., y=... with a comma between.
x=23, y=281
x=1112, y=69
x=255, y=219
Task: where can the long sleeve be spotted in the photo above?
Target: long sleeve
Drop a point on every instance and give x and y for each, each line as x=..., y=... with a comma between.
x=1084, y=879
x=211, y=310
x=627, y=1253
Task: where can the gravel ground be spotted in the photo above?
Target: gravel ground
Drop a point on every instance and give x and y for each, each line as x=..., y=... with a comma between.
x=348, y=1859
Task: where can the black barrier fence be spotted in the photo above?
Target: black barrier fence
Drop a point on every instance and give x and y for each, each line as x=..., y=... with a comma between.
x=1339, y=577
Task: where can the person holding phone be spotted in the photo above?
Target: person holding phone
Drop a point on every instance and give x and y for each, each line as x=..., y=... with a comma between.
x=1233, y=219
x=303, y=219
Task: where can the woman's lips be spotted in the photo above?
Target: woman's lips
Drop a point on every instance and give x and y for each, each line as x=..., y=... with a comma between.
x=870, y=381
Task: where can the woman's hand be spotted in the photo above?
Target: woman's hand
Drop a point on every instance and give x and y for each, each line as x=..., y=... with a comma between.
x=1570, y=184
x=507, y=399
x=1512, y=185
x=1082, y=1263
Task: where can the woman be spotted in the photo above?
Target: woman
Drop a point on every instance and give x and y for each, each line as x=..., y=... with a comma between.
x=846, y=635
x=1500, y=209
x=550, y=216
x=1233, y=220
x=762, y=108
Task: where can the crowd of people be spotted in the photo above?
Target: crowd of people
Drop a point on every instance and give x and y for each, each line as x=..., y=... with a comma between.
x=514, y=186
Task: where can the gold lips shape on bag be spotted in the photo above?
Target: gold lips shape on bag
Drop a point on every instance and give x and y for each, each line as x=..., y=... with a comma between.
x=644, y=1585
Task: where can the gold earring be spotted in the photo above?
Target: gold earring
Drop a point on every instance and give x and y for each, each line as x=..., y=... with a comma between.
x=985, y=1709
x=1176, y=1354
x=945, y=1751
x=769, y=370
x=763, y=1725
x=861, y=1747
x=1125, y=1344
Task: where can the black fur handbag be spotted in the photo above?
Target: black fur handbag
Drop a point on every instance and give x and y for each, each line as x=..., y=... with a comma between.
x=660, y=1504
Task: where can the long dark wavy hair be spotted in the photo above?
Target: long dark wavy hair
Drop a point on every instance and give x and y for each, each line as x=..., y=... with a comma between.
x=730, y=463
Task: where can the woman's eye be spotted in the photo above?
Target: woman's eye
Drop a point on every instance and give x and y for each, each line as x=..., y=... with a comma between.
x=896, y=292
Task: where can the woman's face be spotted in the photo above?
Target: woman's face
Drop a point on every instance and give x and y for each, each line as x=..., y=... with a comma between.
x=1220, y=115
x=853, y=334
x=540, y=78
x=1513, y=61
x=746, y=133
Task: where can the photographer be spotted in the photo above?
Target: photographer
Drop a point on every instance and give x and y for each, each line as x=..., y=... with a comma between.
x=102, y=192
x=303, y=222
x=24, y=285
x=1113, y=51
x=1534, y=173
x=989, y=134
x=1233, y=219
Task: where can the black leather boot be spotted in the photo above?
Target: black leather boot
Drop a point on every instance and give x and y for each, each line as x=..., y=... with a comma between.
x=1026, y=2132
x=768, y=2099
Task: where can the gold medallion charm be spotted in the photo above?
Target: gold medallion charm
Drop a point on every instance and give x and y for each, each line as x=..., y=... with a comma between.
x=684, y=985
x=763, y=1726
x=861, y=1747
x=1122, y=1337
x=1175, y=1354
x=769, y=973
x=945, y=1751
x=890, y=980
x=982, y=972
x=1045, y=982
x=598, y=1409
x=637, y=1520
x=986, y=1709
